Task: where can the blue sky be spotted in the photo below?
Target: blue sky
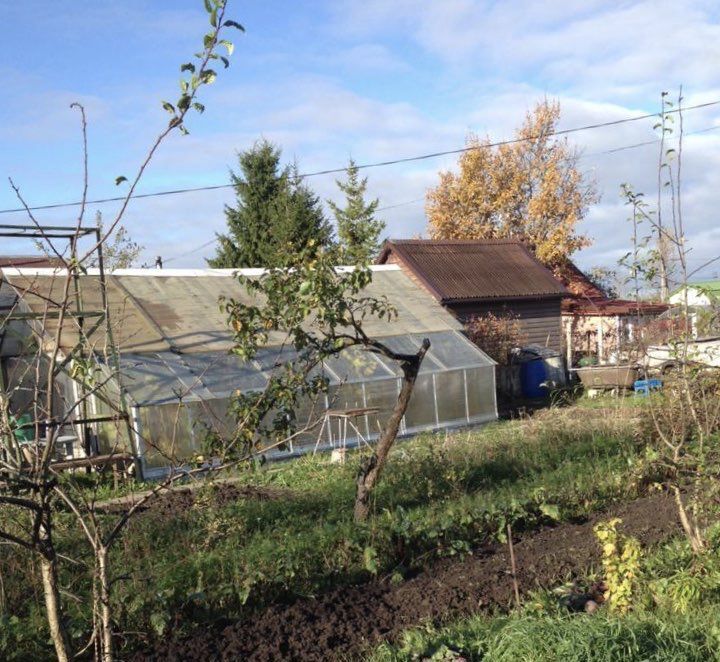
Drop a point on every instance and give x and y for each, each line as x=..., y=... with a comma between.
x=374, y=80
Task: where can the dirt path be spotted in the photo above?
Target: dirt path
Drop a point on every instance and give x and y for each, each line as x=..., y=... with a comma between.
x=343, y=622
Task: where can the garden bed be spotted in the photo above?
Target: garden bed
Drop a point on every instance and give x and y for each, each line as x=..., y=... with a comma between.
x=177, y=500
x=345, y=622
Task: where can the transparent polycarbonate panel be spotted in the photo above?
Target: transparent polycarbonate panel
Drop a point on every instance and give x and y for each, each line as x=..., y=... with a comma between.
x=166, y=435
x=148, y=379
x=420, y=413
x=308, y=422
x=450, y=393
x=454, y=350
x=381, y=396
x=211, y=418
x=273, y=358
x=481, y=394
x=28, y=396
x=346, y=398
x=408, y=345
x=224, y=374
x=357, y=365
x=113, y=436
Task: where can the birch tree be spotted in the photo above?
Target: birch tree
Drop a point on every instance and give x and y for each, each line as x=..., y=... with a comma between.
x=530, y=189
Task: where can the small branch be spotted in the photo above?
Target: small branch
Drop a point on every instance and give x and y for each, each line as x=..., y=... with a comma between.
x=513, y=569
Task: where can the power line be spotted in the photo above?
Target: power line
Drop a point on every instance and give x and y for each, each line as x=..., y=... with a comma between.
x=190, y=252
x=614, y=150
x=655, y=141
x=213, y=241
x=400, y=204
x=378, y=164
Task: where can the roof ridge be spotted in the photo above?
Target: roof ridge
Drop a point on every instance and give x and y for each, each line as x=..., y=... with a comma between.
x=467, y=242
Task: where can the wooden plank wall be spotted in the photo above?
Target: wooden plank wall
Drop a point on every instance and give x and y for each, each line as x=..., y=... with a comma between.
x=539, y=319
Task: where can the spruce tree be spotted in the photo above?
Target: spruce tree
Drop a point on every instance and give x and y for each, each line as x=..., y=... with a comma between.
x=358, y=229
x=276, y=214
x=300, y=220
x=248, y=240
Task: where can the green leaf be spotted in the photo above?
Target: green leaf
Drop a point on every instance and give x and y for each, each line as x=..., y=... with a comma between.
x=550, y=510
x=119, y=180
x=169, y=107
x=183, y=85
x=234, y=24
x=199, y=107
x=159, y=621
x=370, y=560
x=213, y=17
x=208, y=6
x=188, y=66
x=209, y=40
x=225, y=61
x=228, y=44
x=208, y=76
x=184, y=102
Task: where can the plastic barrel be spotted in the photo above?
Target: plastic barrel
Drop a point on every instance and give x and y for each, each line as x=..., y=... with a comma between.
x=532, y=374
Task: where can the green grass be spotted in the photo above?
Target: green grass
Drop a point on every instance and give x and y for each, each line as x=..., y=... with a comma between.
x=567, y=638
x=440, y=495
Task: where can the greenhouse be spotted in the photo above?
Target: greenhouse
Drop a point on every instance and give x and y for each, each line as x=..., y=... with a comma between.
x=178, y=375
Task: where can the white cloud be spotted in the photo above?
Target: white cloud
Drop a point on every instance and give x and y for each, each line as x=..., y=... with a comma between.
x=483, y=65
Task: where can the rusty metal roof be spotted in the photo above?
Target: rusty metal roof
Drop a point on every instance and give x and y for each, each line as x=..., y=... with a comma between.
x=612, y=307
x=467, y=271
x=178, y=311
x=37, y=261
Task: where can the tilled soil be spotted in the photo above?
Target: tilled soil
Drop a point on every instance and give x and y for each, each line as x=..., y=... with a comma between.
x=344, y=622
x=177, y=500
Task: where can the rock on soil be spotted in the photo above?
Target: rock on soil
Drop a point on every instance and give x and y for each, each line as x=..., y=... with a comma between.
x=344, y=622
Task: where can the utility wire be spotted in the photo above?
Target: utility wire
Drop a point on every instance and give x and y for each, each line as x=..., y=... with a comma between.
x=416, y=200
x=212, y=241
x=194, y=250
x=378, y=164
x=647, y=142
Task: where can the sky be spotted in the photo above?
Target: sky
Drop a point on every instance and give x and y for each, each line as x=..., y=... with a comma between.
x=328, y=80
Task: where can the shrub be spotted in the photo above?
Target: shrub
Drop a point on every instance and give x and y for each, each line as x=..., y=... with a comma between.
x=496, y=335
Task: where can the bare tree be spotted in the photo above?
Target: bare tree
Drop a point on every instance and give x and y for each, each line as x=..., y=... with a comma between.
x=30, y=485
x=684, y=417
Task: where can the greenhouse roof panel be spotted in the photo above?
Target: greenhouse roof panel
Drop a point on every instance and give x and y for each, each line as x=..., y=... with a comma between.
x=178, y=310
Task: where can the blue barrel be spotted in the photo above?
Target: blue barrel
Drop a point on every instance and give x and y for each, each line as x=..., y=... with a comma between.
x=532, y=374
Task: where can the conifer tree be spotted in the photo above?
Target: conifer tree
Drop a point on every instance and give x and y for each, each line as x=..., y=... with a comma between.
x=276, y=214
x=299, y=220
x=358, y=229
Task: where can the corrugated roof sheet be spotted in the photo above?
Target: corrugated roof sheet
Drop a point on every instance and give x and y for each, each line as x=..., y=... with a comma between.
x=596, y=307
x=577, y=283
x=37, y=261
x=475, y=270
x=155, y=311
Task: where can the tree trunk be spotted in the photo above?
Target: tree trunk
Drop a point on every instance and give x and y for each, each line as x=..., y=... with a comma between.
x=51, y=590
x=108, y=653
x=372, y=467
x=692, y=532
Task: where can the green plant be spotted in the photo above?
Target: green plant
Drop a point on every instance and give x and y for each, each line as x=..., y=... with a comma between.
x=621, y=564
